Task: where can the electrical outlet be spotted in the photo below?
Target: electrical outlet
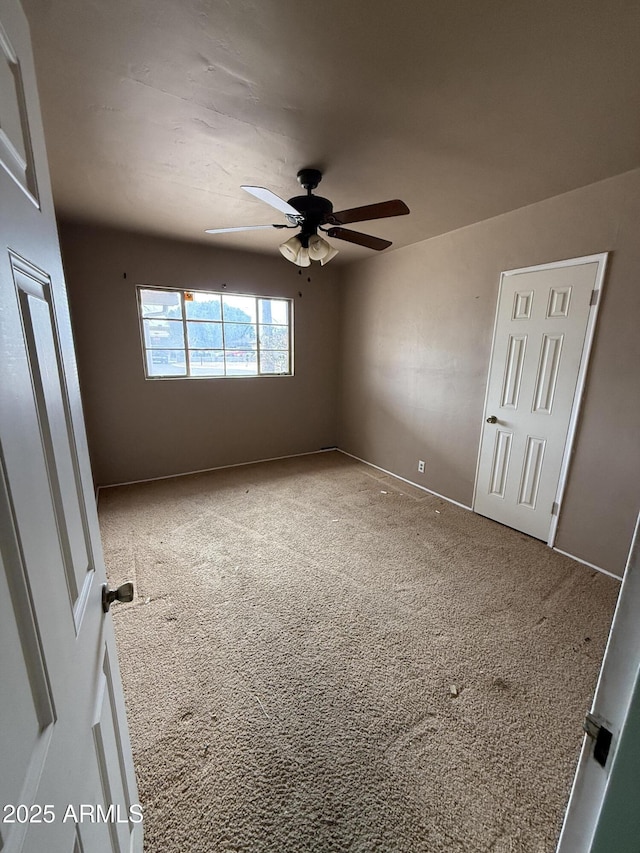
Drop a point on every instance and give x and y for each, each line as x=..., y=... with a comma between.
x=420, y=467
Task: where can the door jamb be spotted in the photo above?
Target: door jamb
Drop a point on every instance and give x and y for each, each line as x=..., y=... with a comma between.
x=601, y=260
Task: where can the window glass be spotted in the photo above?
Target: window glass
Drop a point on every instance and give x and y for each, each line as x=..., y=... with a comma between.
x=239, y=336
x=274, y=362
x=205, y=335
x=161, y=303
x=241, y=363
x=199, y=334
x=202, y=306
x=274, y=337
x=163, y=333
x=164, y=362
x=238, y=309
x=204, y=362
x=273, y=311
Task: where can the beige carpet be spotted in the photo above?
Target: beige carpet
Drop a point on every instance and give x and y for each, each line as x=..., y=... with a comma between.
x=290, y=657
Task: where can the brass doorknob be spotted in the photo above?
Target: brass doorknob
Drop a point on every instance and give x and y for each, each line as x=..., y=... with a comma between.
x=123, y=593
x=492, y=419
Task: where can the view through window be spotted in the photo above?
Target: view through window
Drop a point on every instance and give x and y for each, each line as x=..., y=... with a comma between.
x=194, y=333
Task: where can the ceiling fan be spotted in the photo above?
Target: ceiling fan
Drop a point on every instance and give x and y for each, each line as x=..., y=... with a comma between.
x=312, y=213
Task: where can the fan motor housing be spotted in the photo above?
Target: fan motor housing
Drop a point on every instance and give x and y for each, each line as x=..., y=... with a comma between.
x=314, y=209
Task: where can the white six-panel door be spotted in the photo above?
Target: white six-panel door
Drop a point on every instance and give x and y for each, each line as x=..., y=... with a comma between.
x=544, y=321
x=66, y=774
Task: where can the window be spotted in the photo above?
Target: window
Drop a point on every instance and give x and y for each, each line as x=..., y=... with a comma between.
x=193, y=333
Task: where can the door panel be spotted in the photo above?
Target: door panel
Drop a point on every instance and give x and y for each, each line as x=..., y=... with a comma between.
x=16, y=155
x=108, y=746
x=547, y=379
x=531, y=472
x=20, y=724
x=538, y=361
x=513, y=371
x=27, y=705
x=54, y=416
x=500, y=463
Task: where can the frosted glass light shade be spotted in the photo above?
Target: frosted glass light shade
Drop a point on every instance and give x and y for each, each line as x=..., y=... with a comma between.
x=290, y=249
x=330, y=254
x=318, y=248
x=303, y=259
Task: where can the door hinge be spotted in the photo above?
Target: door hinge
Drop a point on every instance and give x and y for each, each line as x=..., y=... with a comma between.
x=595, y=294
x=602, y=737
x=554, y=508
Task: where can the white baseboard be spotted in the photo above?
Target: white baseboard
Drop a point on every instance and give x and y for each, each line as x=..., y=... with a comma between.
x=208, y=470
x=590, y=565
x=449, y=500
x=404, y=480
x=352, y=456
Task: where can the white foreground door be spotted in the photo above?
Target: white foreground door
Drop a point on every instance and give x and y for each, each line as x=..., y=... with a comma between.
x=603, y=815
x=66, y=774
x=543, y=330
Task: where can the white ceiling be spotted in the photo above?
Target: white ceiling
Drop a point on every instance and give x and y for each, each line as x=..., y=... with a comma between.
x=156, y=111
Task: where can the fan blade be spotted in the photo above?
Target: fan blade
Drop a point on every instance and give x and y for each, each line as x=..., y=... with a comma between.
x=361, y=239
x=369, y=211
x=272, y=199
x=241, y=228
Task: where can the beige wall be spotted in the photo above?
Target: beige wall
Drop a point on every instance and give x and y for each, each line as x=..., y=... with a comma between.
x=416, y=331
x=141, y=429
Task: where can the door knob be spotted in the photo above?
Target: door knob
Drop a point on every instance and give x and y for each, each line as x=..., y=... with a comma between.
x=123, y=593
x=492, y=419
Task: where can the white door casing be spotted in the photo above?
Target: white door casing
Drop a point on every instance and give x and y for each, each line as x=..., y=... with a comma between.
x=542, y=338
x=64, y=742
x=602, y=814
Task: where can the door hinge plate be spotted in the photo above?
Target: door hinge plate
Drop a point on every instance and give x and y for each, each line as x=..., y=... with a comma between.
x=554, y=508
x=595, y=294
x=601, y=736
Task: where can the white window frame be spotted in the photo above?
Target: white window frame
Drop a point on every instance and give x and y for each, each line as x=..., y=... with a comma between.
x=181, y=291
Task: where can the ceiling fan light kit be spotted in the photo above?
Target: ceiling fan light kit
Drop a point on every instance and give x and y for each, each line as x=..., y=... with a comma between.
x=318, y=248
x=294, y=251
x=311, y=213
x=290, y=249
x=331, y=254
